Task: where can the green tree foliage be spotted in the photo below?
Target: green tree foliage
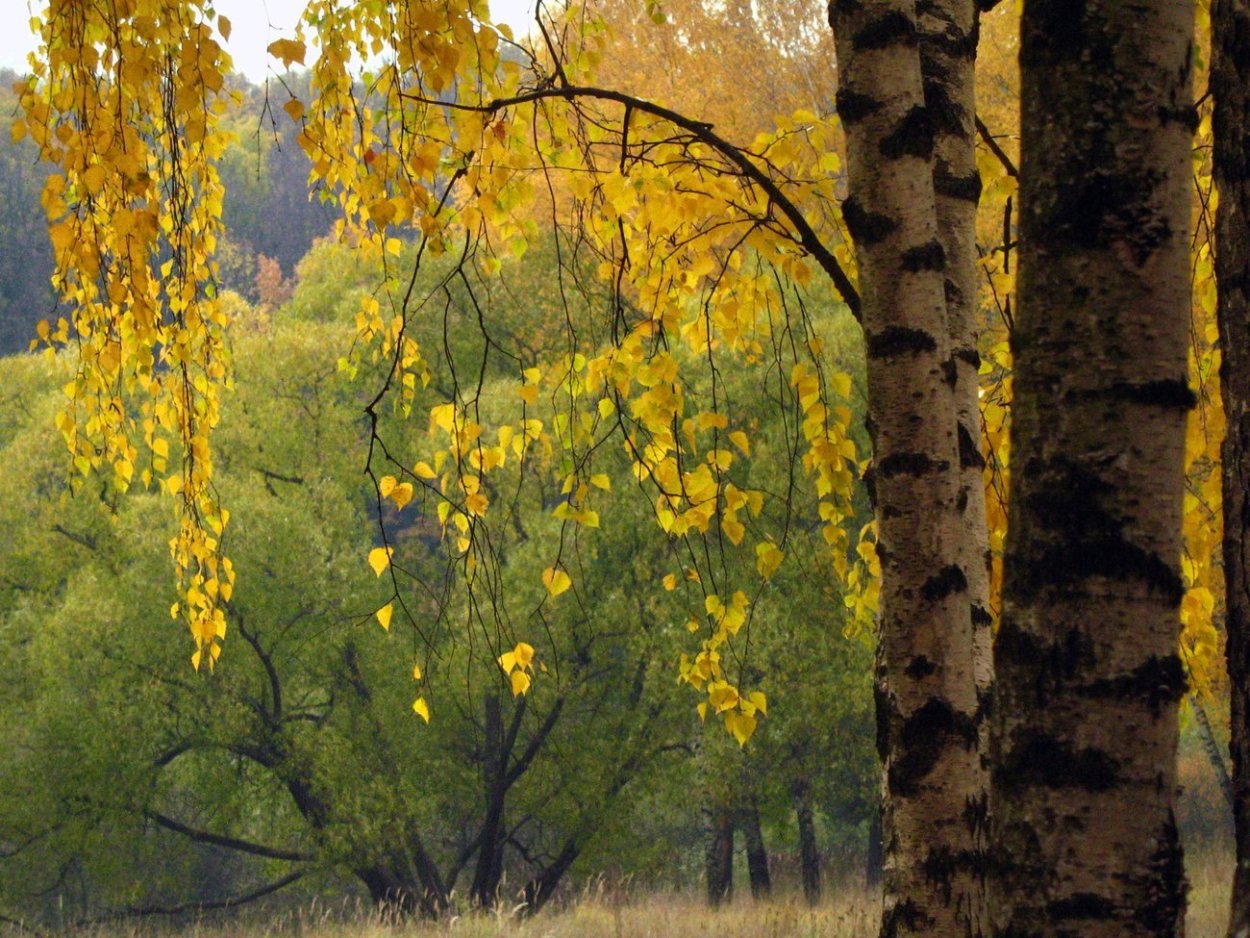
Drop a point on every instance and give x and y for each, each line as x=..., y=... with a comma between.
x=132, y=777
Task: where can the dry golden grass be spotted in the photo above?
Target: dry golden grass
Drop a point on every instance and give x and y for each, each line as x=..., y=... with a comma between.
x=603, y=914
x=1210, y=884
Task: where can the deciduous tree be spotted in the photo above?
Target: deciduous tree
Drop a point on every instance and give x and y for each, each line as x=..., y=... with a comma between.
x=1087, y=669
x=1230, y=88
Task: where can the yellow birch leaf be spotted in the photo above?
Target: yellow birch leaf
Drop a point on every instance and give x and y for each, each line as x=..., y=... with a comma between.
x=384, y=616
x=380, y=558
x=740, y=725
x=520, y=682
x=556, y=581
x=768, y=558
x=288, y=50
x=421, y=709
x=600, y=480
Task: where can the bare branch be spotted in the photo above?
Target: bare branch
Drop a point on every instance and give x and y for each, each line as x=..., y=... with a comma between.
x=230, y=843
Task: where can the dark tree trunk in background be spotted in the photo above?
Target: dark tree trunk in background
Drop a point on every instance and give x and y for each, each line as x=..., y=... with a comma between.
x=719, y=856
x=757, y=853
x=488, y=873
x=872, y=873
x=1087, y=672
x=809, y=853
x=1230, y=88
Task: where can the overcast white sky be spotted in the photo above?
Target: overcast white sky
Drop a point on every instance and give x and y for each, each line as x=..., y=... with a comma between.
x=254, y=24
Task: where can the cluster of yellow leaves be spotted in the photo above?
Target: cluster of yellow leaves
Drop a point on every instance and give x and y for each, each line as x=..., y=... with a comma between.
x=453, y=143
x=517, y=665
x=1201, y=563
x=124, y=101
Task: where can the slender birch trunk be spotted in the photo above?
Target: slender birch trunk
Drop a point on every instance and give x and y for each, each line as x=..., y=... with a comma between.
x=1088, y=680
x=1230, y=87
x=949, y=32
x=927, y=713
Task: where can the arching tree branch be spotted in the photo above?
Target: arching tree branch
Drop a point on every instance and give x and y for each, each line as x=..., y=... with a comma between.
x=703, y=132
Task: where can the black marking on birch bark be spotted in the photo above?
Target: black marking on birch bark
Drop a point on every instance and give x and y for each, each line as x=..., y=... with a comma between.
x=948, y=44
x=912, y=136
x=870, y=484
x=977, y=816
x=866, y=228
x=853, y=107
x=1164, y=911
x=919, y=667
x=942, y=863
x=925, y=736
x=883, y=708
x=842, y=6
x=961, y=501
x=884, y=553
x=1186, y=115
x=1156, y=681
x=950, y=372
x=1081, y=905
x=947, y=116
x=969, y=450
x=1087, y=539
x=1093, y=210
x=893, y=28
x=1174, y=395
x=965, y=188
x=928, y=256
x=905, y=915
x=981, y=616
x=899, y=340
x=945, y=582
x=1034, y=758
x=1057, y=35
x=969, y=356
x=909, y=464
x=985, y=708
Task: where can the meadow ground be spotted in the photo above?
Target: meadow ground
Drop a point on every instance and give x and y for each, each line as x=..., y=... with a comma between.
x=606, y=913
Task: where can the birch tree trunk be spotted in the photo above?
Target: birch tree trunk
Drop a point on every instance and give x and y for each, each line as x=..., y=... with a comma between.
x=927, y=712
x=1088, y=679
x=1230, y=87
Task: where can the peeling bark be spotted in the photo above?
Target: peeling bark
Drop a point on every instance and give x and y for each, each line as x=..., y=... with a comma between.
x=1088, y=681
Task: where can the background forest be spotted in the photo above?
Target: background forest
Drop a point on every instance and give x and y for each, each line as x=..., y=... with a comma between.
x=298, y=769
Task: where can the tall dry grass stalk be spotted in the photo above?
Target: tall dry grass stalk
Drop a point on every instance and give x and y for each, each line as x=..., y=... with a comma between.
x=615, y=913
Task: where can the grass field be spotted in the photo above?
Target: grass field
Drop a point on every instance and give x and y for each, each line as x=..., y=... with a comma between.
x=603, y=913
